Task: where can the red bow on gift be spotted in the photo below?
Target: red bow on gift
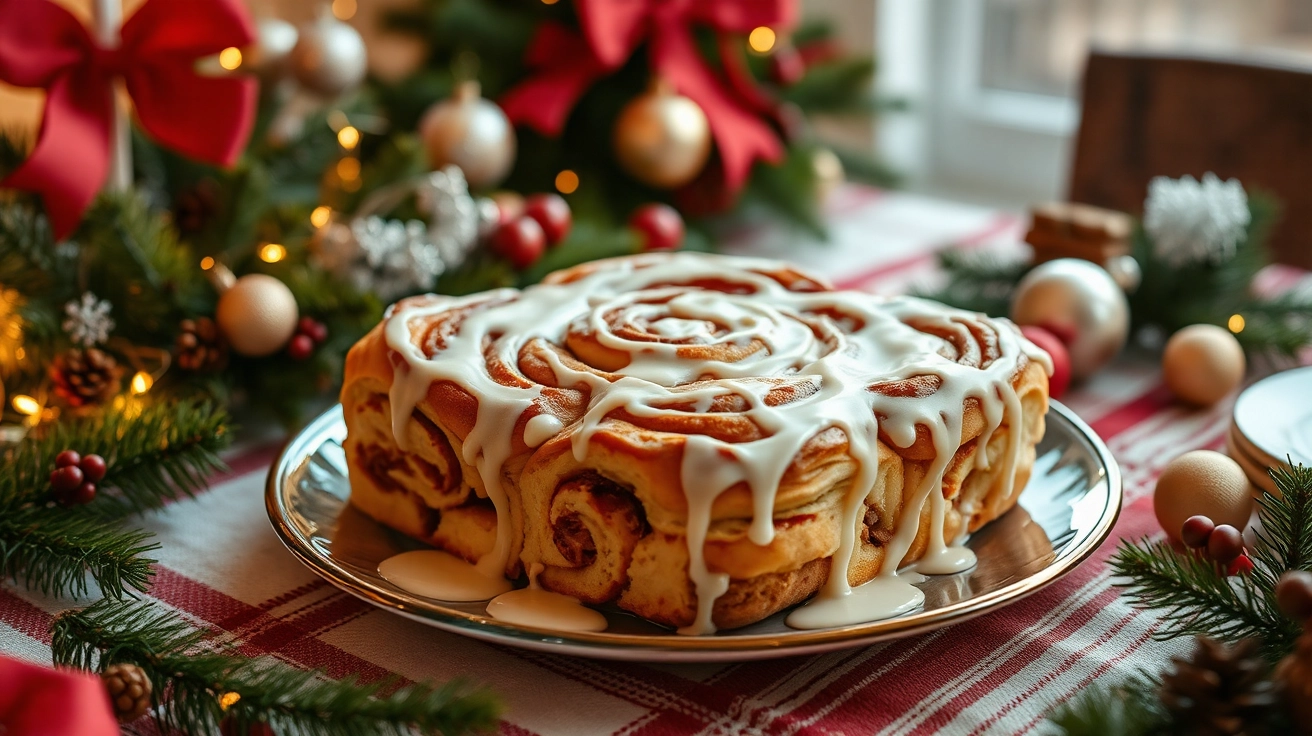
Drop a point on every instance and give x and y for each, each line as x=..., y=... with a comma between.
x=207, y=118
x=613, y=29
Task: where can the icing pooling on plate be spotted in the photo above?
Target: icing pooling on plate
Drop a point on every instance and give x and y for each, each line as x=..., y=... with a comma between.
x=833, y=347
x=533, y=606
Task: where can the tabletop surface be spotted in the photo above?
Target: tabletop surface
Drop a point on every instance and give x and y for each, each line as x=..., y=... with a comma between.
x=221, y=565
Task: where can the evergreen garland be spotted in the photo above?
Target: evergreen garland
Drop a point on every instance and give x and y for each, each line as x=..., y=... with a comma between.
x=1196, y=598
x=199, y=684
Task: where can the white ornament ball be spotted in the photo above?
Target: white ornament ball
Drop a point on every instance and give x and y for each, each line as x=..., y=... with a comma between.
x=1203, y=363
x=1204, y=483
x=329, y=57
x=257, y=315
x=662, y=138
x=471, y=132
x=270, y=56
x=1077, y=301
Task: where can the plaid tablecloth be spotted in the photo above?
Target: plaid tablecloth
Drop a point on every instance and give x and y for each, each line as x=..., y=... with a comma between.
x=221, y=565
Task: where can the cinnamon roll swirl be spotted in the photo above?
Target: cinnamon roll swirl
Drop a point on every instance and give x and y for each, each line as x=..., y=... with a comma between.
x=702, y=440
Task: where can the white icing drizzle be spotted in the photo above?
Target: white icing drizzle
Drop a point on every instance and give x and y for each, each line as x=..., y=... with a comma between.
x=533, y=606
x=841, y=343
x=436, y=574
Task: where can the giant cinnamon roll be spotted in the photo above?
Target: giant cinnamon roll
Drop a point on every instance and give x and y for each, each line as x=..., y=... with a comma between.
x=702, y=440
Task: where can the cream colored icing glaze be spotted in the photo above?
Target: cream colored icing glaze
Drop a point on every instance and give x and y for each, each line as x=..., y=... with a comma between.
x=533, y=606
x=869, y=341
x=541, y=428
x=439, y=575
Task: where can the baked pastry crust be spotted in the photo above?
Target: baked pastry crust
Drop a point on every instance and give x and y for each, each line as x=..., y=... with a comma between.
x=602, y=504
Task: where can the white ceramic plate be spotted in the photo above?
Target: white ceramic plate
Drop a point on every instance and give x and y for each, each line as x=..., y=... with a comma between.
x=1065, y=512
x=1274, y=415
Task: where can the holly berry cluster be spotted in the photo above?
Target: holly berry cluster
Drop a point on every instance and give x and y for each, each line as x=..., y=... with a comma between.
x=531, y=225
x=1222, y=544
x=73, y=481
x=310, y=333
x=527, y=228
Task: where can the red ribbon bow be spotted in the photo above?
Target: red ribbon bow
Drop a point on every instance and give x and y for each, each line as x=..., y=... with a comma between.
x=206, y=118
x=613, y=29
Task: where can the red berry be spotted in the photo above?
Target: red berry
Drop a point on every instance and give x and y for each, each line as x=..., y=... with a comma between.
x=1195, y=531
x=67, y=478
x=93, y=467
x=1294, y=594
x=301, y=347
x=786, y=66
x=552, y=212
x=1060, y=379
x=1224, y=544
x=315, y=329
x=83, y=494
x=67, y=457
x=660, y=225
x=1241, y=565
x=521, y=241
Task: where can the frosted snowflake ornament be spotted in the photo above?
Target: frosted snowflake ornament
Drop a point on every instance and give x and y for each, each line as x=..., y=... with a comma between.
x=88, y=322
x=1192, y=221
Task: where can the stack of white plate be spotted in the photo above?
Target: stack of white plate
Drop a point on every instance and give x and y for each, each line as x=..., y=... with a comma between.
x=1272, y=425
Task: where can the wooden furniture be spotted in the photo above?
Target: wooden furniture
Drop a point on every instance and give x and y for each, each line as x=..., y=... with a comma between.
x=1150, y=115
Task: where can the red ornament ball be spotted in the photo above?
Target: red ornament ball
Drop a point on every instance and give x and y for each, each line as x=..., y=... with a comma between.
x=301, y=347
x=67, y=457
x=552, y=212
x=1225, y=544
x=660, y=225
x=1196, y=530
x=1060, y=379
x=93, y=467
x=66, y=479
x=521, y=241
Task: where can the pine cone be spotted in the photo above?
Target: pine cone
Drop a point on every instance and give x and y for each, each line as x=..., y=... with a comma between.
x=194, y=209
x=129, y=691
x=1294, y=673
x=85, y=376
x=1220, y=691
x=200, y=347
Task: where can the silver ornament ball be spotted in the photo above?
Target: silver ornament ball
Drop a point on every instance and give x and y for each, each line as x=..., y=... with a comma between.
x=271, y=54
x=329, y=57
x=470, y=132
x=1078, y=302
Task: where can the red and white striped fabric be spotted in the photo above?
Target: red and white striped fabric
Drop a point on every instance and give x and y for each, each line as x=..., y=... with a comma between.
x=221, y=565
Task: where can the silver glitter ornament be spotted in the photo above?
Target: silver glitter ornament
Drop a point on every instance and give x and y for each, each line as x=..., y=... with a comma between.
x=471, y=132
x=1080, y=303
x=392, y=258
x=329, y=58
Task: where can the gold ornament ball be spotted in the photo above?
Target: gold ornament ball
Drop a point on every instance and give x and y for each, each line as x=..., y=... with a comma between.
x=662, y=139
x=329, y=57
x=828, y=173
x=1077, y=301
x=1203, y=363
x=472, y=133
x=1202, y=482
x=257, y=315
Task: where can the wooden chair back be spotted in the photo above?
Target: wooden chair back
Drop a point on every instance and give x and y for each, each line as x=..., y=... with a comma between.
x=1150, y=115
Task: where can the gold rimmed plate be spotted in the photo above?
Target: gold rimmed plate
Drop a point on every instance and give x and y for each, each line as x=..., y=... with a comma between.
x=1067, y=510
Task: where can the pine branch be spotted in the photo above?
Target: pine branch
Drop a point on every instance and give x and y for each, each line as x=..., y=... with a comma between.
x=977, y=280
x=164, y=453
x=196, y=672
x=1126, y=709
x=1194, y=598
x=1284, y=539
x=53, y=550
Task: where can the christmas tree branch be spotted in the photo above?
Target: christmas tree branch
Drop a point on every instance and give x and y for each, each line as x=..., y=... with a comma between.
x=206, y=686
x=1284, y=540
x=164, y=452
x=53, y=550
x=1126, y=709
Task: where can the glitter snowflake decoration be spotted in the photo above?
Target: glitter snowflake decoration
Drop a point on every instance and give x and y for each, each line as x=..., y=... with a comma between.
x=1193, y=221
x=388, y=257
x=88, y=322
